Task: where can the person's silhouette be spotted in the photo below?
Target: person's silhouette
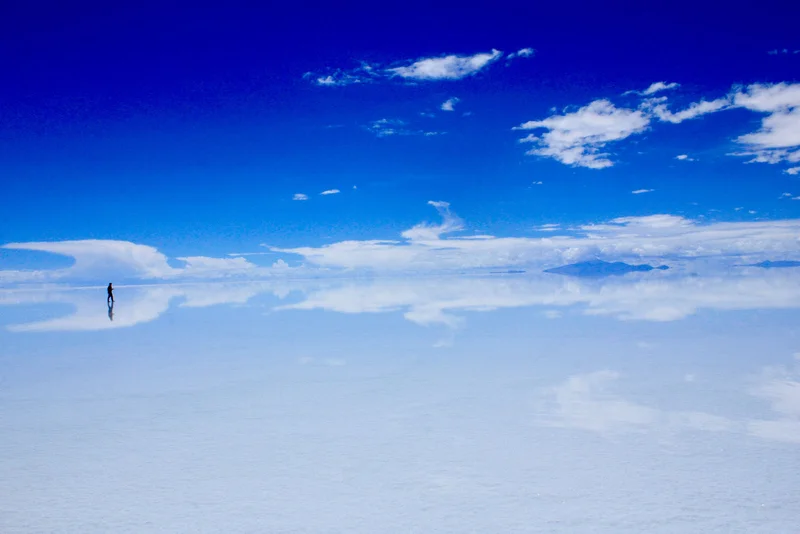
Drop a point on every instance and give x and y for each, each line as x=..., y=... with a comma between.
x=110, y=294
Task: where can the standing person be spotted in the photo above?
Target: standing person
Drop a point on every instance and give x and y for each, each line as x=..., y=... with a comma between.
x=110, y=294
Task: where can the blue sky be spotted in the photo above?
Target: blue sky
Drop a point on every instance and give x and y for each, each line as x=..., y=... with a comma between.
x=192, y=132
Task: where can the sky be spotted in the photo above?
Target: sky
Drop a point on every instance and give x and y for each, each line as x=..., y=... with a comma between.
x=212, y=132
x=515, y=268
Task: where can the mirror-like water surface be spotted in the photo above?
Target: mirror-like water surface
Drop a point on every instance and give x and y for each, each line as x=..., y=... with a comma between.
x=648, y=402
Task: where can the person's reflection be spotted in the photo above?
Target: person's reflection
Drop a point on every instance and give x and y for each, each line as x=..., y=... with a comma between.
x=111, y=311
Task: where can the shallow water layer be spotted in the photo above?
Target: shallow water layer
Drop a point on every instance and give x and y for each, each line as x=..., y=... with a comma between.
x=645, y=403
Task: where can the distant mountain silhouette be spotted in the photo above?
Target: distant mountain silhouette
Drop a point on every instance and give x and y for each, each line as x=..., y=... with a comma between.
x=776, y=264
x=599, y=268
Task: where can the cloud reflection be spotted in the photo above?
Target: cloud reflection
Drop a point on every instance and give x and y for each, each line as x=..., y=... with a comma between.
x=443, y=300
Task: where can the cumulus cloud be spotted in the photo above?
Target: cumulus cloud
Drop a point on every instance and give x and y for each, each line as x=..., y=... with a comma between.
x=683, y=157
x=577, y=138
x=640, y=191
x=122, y=260
x=792, y=170
x=104, y=257
x=330, y=192
x=778, y=139
x=300, y=196
x=449, y=104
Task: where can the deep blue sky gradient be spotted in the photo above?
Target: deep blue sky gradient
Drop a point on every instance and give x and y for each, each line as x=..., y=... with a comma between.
x=190, y=129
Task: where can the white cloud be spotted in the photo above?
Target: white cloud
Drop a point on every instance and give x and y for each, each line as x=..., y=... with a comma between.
x=339, y=78
x=430, y=248
x=684, y=157
x=536, y=183
x=655, y=88
x=640, y=191
x=105, y=258
x=122, y=260
x=792, y=170
x=300, y=196
x=426, y=247
x=389, y=127
x=577, y=138
x=778, y=139
x=656, y=107
x=432, y=232
x=449, y=104
x=522, y=52
x=450, y=67
x=660, y=86
x=330, y=192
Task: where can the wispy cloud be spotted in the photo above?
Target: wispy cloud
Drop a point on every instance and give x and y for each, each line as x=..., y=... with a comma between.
x=449, y=104
x=683, y=157
x=792, y=170
x=640, y=191
x=450, y=67
x=782, y=51
x=654, y=88
x=390, y=127
x=330, y=192
x=657, y=108
x=387, y=127
x=427, y=69
x=338, y=78
x=300, y=196
x=522, y=52
x=539, y=182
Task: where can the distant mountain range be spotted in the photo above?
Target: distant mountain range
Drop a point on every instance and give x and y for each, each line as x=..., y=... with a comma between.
x=599, y=268
x=776, y=264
